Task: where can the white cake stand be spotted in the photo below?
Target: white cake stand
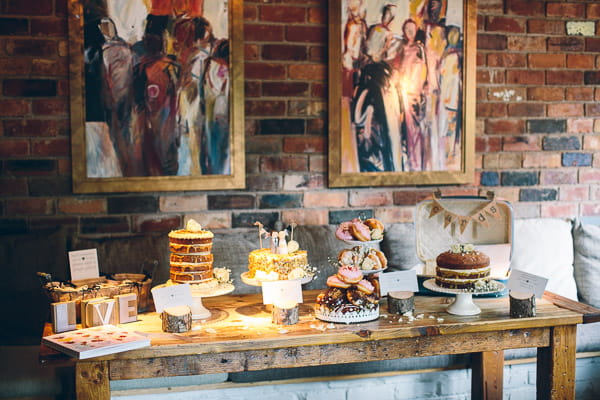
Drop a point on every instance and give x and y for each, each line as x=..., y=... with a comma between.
x=463, y=304
x=198, y=309
x=368, y=243
x=258, y=282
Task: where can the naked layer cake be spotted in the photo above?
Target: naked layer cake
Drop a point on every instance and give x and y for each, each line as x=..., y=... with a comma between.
x=462, y=267
x=191, y=257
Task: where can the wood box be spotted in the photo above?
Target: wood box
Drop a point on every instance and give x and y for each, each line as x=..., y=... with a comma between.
x=114, y=285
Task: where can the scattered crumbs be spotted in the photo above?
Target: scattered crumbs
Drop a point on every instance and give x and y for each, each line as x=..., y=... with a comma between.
x=384, y=315
x=331, y=326
x=420, y=316
x=196, y=328
x=432, y=317
x=283, y=331
x=210, y=330
x=408, y=314
x=411, y=318
x=391, y=322
x=440, y=320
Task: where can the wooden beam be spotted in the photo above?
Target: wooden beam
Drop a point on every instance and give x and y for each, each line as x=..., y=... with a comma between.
x=556, y=365
x=336, y=353
x=487, y=375
x=92, y=380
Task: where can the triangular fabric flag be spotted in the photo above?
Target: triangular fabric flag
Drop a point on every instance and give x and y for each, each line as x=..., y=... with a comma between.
x=436, y=208
x=462, y=223
x=448, y=218
x=482, y=219
x=493, y=210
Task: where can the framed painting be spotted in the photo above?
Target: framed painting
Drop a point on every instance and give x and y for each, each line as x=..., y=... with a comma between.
x=157, y=96
x=401, y=92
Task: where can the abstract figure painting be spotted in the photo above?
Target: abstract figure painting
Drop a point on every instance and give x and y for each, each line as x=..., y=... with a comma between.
x=401, y=92
x=156, y=94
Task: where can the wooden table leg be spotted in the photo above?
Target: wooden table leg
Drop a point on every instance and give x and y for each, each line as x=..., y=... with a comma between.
x=487, y=370
x=556, y=365
x=92, y=380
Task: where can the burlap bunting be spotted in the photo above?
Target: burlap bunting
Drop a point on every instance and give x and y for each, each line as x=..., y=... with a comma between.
x=480, y=216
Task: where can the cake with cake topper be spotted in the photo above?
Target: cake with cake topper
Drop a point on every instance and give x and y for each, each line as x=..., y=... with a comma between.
x=282, y=260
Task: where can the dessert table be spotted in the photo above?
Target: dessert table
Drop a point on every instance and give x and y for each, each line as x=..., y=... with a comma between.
x=239, y=336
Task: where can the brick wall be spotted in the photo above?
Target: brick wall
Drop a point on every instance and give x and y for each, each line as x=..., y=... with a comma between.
x=537, y=128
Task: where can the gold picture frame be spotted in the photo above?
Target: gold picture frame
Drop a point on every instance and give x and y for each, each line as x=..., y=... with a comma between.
x=156, y=95
x=393, y=66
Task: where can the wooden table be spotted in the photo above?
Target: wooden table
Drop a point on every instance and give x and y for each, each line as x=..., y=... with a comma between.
x=239, y=336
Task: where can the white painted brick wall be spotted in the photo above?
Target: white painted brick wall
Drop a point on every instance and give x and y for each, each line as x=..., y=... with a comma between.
x=519, y=384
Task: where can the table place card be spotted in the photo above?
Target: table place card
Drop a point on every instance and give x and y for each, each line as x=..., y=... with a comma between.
x=399, y=281
x=521, y=281
x=282, y=292
x=172, y=296
x=84, y=264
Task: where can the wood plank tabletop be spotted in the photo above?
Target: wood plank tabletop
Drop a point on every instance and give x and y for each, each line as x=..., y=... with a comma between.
x=242, y=322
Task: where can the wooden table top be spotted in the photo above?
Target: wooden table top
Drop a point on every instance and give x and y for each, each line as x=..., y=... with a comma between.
x=242, y=322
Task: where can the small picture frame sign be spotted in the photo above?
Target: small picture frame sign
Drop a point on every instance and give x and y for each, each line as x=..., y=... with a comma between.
x=84, y=264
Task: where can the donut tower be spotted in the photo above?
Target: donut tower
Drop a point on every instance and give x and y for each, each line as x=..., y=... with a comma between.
x=350, y=297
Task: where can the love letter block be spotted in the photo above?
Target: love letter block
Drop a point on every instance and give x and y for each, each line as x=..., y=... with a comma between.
x=64, y=316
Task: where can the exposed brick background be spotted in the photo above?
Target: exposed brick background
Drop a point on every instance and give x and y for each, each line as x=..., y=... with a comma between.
x=537, y=126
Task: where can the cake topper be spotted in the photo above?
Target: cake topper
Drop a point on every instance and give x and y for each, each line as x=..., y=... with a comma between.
x=282, y=245
x=261, y=231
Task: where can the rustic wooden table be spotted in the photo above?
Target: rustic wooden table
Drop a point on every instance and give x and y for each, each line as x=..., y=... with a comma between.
x=239, y=336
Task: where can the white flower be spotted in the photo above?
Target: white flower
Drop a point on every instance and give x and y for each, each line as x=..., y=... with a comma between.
x=221, y=274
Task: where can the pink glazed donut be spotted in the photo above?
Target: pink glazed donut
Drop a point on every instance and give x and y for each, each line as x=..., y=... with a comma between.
x=334, y=281
x=349, y=274
x=343, y=231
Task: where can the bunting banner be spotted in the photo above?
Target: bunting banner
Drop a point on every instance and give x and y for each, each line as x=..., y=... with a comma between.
x=481, y=216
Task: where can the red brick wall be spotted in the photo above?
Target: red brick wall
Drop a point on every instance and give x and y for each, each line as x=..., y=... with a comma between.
x=538, y=123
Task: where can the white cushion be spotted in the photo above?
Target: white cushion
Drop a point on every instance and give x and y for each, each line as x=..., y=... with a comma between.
x=586, y=239
x=544, y=247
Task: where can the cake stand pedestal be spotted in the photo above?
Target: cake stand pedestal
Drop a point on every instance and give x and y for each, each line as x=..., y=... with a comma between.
x=198, y=309
x=463, y=303
x=258, y=282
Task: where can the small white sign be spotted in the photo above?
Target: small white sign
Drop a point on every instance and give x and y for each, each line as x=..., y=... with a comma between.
x=84, y=264
x=172, y=296
x=282, y=293
x=399, y=281
x=521, y=281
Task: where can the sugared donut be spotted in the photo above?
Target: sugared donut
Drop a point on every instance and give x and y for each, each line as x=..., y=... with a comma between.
x=382, y=257
x=360, y=231
x=347, y=257
x=343, y=231
x=334, y=281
